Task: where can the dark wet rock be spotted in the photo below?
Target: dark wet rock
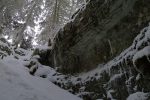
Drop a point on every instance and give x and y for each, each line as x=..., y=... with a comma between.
x=45, y=56
x=119, y=78
x=99, y=32
x=5, y=48
x=142, y=61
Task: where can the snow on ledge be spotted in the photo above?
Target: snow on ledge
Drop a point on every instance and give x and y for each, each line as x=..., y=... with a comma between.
x=138, y=96
x=141, y=53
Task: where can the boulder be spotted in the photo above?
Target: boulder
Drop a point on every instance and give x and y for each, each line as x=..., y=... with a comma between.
x=45, y=55
x=98, y=32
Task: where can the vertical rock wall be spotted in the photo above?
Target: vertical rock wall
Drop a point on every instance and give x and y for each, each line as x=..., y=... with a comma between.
x=99, y=32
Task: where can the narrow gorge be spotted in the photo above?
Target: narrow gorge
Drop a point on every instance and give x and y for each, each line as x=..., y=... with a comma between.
x=101, y=53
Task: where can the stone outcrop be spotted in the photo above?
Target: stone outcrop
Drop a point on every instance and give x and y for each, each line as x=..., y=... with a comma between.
x=4, y=48
x=45, y=55
x=98, y=32
x=124, y=76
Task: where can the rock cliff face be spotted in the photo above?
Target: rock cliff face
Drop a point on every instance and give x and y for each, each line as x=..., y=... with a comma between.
x=98, y=32
x=126, y=76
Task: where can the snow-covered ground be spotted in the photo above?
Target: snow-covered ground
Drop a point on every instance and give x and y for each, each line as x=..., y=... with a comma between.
x=138, y=96
x=17, y=84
